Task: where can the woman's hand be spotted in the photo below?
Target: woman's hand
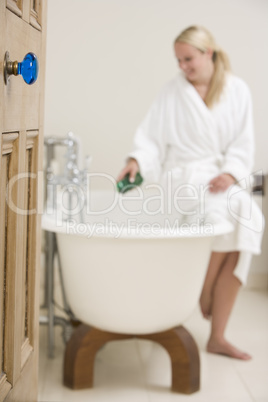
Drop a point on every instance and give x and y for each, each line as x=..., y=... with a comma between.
x=132, y=168
x=221, y=183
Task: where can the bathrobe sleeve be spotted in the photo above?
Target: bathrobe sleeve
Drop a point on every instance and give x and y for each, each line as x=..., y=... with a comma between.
x=239, y=155
x=149, y=140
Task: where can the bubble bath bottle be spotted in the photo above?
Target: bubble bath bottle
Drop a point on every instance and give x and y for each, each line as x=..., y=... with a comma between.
x=125, y=184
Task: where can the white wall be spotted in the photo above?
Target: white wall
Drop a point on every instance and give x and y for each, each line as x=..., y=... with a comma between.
x=106, y=60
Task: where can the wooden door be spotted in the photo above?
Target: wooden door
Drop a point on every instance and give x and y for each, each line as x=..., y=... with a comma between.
x=22, y=30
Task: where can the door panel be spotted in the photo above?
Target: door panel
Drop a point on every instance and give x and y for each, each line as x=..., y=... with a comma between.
x=36, y=14
x=15, y=6
x=28, y=269
x=22, y=24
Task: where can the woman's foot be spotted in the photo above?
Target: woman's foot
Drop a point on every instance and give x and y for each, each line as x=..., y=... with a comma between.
x=205, y=302
x=223, y=347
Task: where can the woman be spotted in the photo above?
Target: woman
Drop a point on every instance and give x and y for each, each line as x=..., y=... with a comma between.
x=200, y=130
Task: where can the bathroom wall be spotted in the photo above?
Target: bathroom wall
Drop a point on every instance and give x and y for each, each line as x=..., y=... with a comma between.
x=107, y=59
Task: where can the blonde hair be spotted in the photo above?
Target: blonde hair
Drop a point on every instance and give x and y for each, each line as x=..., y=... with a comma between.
x=201, y=39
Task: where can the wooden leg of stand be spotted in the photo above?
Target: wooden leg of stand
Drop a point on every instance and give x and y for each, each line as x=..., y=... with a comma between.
x=184, y=357
x=80, y=355
x=85, y=342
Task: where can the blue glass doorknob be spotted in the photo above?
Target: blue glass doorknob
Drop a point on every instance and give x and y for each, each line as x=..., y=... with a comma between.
x=28, y=68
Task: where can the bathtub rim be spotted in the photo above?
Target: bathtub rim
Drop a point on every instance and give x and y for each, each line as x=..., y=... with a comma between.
x=51, y=224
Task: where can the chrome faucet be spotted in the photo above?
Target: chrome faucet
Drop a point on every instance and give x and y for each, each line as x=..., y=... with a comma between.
x=60, y=180
x=72, y=180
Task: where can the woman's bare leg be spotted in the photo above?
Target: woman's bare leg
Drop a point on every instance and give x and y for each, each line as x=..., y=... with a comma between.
x=224, y=292
x=214, y=267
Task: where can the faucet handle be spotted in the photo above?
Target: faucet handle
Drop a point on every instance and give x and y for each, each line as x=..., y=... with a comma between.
x=70, y=134
x=88, y=160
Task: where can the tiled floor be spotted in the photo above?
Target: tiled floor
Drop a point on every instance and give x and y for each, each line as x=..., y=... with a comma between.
x=139, y=371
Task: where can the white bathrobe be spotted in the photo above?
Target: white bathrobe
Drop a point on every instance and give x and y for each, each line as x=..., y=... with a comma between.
x=181, y=137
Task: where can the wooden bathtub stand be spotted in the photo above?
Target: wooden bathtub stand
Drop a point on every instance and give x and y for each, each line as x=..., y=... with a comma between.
x=86, y=341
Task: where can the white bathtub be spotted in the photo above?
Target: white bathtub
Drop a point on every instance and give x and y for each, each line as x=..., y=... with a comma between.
x=129, y=267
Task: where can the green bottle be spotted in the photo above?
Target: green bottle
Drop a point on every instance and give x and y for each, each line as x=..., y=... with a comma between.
x=125, y=185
